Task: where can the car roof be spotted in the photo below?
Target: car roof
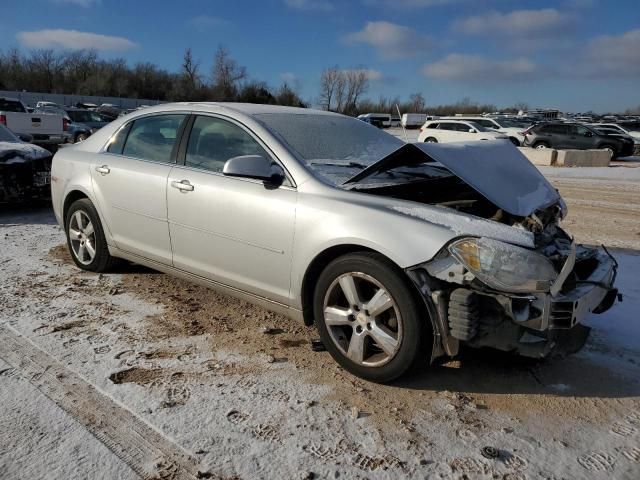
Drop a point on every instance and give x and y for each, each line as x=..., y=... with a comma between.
x=245, y=108
x=449, y=120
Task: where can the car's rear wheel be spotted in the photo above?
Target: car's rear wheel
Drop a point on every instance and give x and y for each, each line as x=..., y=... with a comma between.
x=430, y=140
x=85, y=238
x=610, y=149
x=540, y=145
x=369, y=318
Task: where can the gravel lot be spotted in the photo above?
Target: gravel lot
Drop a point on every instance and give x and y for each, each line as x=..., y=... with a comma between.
x=137, y=374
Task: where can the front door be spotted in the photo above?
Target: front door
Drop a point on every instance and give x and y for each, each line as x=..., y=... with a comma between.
x=130, y=185
x=235, y=231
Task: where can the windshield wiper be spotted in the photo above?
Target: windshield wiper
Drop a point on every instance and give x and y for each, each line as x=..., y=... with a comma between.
x=338, y=163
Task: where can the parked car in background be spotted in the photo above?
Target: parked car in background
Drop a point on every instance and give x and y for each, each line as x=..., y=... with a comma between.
x=108, y=110
x=380, y=120
x=444, y=131
x=414, y=120
x=25, y=169
x=45, y=129
x=575, y=136
x=634, y=134
x=307, y=225
x=86, y=106
x=43, y=104
x=395, y=121
x=81, y=123
x=511, y=128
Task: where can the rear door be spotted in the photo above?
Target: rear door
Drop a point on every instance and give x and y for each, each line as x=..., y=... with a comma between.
x=130, y=184
x=556, y=135
x=580, y=137
x=235, y=231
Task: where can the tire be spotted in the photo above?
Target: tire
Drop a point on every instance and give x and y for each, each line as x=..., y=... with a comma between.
x=90, y=236
x=430, y=140
x=515, y=141
x=403, y=326
x=541, y=145
x=81, y=137
x=610, y=148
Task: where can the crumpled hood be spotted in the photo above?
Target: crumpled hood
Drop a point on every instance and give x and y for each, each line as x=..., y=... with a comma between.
x=498, y=171
x=495, y=169
x=11, y=152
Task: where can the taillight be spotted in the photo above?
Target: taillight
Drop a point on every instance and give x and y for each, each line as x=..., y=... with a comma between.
x=3, y=120
x=65, y=124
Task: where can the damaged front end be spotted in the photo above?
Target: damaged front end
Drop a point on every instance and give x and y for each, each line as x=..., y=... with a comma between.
x=512, y=279
x=25, y=173
x=482, y=302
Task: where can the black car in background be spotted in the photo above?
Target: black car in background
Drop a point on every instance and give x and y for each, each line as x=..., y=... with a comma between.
x=575, y=136
x=25, y=169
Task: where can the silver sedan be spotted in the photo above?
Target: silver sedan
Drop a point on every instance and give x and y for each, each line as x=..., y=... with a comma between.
x=398, y=253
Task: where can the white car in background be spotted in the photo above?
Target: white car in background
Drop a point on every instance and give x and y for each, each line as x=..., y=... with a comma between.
x=512, y=128
x=445, y=131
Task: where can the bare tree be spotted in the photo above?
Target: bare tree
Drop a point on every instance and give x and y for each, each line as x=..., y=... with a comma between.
x=329, y=84
x=226, y=74
x=357, y=84
x=190, y=69
x=417, y=103
x=45, y=65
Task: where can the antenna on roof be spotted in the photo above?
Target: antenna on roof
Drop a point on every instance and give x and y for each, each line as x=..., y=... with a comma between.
x=404, y=132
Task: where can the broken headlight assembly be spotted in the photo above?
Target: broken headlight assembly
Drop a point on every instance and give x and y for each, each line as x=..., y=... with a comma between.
x=503, y=266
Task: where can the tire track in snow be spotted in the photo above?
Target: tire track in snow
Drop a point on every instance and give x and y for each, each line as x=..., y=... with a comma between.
x=147, y=451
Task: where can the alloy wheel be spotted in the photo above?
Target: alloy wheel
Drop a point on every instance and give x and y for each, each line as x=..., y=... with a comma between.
x=363, y=319
x=83, y=237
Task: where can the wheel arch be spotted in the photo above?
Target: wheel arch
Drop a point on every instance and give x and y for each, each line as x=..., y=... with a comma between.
x=318, y=264
x=71, y=197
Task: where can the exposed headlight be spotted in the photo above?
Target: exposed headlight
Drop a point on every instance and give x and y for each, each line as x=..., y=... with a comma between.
x=503, y=266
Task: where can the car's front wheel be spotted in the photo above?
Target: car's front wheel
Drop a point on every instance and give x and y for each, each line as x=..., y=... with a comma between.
x=369, y=318
x=430, y=140
x=85, y=238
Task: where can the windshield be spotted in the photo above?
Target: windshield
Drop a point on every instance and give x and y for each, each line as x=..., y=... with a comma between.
x=479, y=127
x=510, y=122
x=7, y=135
x=315, y=137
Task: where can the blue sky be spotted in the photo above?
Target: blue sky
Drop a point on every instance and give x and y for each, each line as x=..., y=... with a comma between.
x=576, y=55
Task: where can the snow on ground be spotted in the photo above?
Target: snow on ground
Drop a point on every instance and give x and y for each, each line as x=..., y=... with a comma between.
x=244, y=404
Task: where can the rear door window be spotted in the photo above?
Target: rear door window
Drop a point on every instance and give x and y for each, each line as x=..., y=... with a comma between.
x=153, y=138
x=556, y=129
x=11, y=106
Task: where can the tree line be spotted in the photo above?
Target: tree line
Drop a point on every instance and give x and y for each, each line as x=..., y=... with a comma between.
x=82, y=72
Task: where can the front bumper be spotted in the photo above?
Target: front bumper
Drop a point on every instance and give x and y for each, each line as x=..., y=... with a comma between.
x=533, y=325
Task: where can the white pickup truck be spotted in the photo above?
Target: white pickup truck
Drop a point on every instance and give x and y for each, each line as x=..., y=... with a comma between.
x=45, y=129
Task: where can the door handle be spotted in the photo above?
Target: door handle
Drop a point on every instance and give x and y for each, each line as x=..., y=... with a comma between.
x=104, y=169
x=182, y=185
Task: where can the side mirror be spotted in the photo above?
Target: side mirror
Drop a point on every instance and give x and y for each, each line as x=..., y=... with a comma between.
x=588, y=134
x=25, y=137
x=254, y=166
x=471, y=130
